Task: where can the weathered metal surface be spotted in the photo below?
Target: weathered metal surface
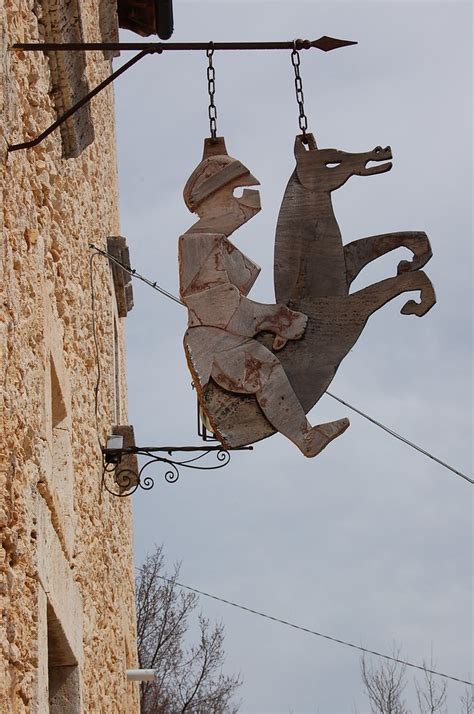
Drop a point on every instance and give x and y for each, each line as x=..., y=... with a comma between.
x=220, y=343
x=313, y=272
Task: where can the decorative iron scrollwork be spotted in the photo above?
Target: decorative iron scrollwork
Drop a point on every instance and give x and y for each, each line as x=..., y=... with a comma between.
x=125, y=481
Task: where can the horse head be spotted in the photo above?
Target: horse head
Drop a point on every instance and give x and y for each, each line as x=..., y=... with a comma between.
x=329, y=169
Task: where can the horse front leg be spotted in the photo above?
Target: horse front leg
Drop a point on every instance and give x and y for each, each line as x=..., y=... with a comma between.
x=370, y=299
x=361, y=252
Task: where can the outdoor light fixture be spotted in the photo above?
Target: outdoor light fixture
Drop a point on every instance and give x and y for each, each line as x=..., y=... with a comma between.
x=113, y=450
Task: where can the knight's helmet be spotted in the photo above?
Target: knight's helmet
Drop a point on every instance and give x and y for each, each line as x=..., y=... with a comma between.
x=216, y=170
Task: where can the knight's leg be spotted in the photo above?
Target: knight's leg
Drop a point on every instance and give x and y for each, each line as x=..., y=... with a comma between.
x=375, y=296
x=252, y=369
x=280, y=405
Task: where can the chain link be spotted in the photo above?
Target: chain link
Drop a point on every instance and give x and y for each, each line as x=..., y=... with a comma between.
x=211, y=88
x=302, y=119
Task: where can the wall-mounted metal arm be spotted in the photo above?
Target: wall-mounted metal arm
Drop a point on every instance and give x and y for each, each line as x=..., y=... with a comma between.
x=326, y=44
x=124, y=481
x=37, y=140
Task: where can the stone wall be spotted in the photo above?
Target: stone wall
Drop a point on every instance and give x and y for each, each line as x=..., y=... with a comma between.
x=66, y=574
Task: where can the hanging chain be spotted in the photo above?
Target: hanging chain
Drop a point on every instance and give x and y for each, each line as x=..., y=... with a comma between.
x=302, y=119
x=211, y=88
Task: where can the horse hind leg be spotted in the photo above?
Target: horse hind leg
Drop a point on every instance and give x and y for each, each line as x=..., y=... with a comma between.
x=372, y=298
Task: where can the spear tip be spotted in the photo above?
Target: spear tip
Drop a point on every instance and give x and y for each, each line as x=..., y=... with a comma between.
x=326, y=44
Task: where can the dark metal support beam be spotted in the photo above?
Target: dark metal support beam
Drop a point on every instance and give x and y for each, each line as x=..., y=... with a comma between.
x=37, y=140
x=326, y=44
x=171, y=449
x=125, y=481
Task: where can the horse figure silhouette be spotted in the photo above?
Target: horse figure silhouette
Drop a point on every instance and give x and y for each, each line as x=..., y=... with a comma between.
x=313, y=272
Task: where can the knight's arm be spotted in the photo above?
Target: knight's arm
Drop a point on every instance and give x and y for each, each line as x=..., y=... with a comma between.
x=214, y=279
x=361, y=252
x=225, y=307
x=208, y=259
x=252, y=317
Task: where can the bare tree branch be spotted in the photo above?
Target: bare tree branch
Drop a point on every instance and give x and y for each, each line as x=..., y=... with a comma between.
x=467, y=702
x=432, y=693
x=188, y=679
x=384, y=685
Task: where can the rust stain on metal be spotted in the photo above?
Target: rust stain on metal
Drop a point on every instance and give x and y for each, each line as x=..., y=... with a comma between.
x=313, y=273
x=220, y=343
x=247, y=391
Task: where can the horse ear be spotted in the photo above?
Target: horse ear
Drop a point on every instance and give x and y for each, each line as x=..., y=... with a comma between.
x=300, y=142
x=299, y=147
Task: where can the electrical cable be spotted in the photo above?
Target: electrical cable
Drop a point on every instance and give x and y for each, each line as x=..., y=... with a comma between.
x=169, y=295
x=97, y=351
x=134, y=274
x=345, y=643
x=406, y=663
x=401, y=438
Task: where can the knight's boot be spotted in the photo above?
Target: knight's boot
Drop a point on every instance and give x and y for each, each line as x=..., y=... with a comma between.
x=318, y=437
x=283, y=410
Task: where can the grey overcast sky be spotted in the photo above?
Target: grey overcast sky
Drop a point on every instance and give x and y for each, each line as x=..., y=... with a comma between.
x=369, y=542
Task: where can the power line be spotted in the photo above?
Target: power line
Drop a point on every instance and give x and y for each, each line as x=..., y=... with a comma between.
x=169, y=295
x=134, y=274
x=317, y=634
x=402, y=438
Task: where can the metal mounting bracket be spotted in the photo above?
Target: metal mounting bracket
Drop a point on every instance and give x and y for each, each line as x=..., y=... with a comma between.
x=326, y=44
x=125, y=481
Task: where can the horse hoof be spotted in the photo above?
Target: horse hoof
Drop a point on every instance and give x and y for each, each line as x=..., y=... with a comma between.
x=416, y=308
